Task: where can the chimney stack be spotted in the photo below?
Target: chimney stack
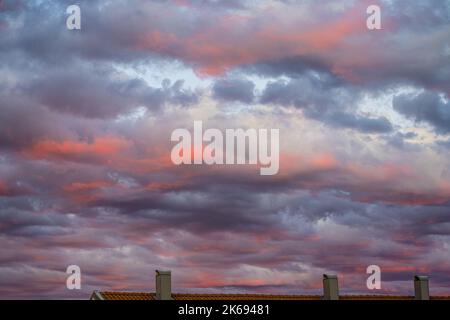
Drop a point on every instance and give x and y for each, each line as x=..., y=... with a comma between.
x=421, y=288
x=330, y=287
x=163, y=285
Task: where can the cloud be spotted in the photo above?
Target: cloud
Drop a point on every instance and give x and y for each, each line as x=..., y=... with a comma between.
x=234, y=90
x=3, y=189
x=317, y=221
x=360, y=123
x=399, y=140
x=321, y=100
x=425, y=107
x=203, y=36
x=199, y=35
x=67, y=150
x=79, y=92
x=85, y=123
x=16, y=110
x=11, y=5
x=444, y=143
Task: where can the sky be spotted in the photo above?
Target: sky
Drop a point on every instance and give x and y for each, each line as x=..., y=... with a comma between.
x=86, y=118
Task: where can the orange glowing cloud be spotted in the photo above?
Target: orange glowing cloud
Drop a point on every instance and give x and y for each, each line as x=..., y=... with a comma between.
x=86, y=186
x=161, y=186
x=294, y=163
x=324, y=162
x=84, y=192
x=70, y=149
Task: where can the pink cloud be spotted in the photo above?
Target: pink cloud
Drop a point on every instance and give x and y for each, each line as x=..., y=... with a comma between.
x=3, y=189
x=237, y=39
x=71, y=149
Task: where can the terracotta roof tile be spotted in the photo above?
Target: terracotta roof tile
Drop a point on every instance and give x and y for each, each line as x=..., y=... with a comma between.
x=375, y=297
x=110, y=295
x=189, y=296
x=440, y=298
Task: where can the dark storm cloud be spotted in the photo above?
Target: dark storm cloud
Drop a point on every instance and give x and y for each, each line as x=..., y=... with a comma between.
x=234, y=90
x=31, y=224
x=425, y=107
x=48, y=41
x=103, y=95
x=279, y=222
x=309, y=92
x=105, y=36
x=17, y=110
x=228, y=204
x=292, y=67
x=224, y=209
x=320, y=100
x=244, y=213
x=216, y=4
x=423, y=14
x=10, y=5
x=360, y=123
x=84, y=94
x=445, y=143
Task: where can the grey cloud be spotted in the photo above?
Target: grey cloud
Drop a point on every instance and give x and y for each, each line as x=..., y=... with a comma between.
x=292, y=67
x=104, y=95
x=312, y=90
x=176, y=94
x=14, y=110
x=319, y=99
x=398, y=140
x=356, y=122
x=215, y=221
x=234, y=90
x=11, y=5
x=424, y=14
x=426, y=107
x=444, y=143
x=416, y=53
x=27, y=222
x=216, y=4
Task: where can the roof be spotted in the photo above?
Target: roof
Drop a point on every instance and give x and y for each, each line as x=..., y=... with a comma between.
x=111, y=295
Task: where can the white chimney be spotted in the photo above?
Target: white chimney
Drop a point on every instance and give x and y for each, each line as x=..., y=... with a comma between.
x=330, y=287
x=163, y=285
x=421, y=289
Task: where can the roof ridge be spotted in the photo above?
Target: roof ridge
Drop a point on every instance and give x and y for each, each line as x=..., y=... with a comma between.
x=134, y=295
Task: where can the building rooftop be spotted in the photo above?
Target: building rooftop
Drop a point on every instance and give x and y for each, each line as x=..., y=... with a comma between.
x=163, y=291
x=114, y=295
